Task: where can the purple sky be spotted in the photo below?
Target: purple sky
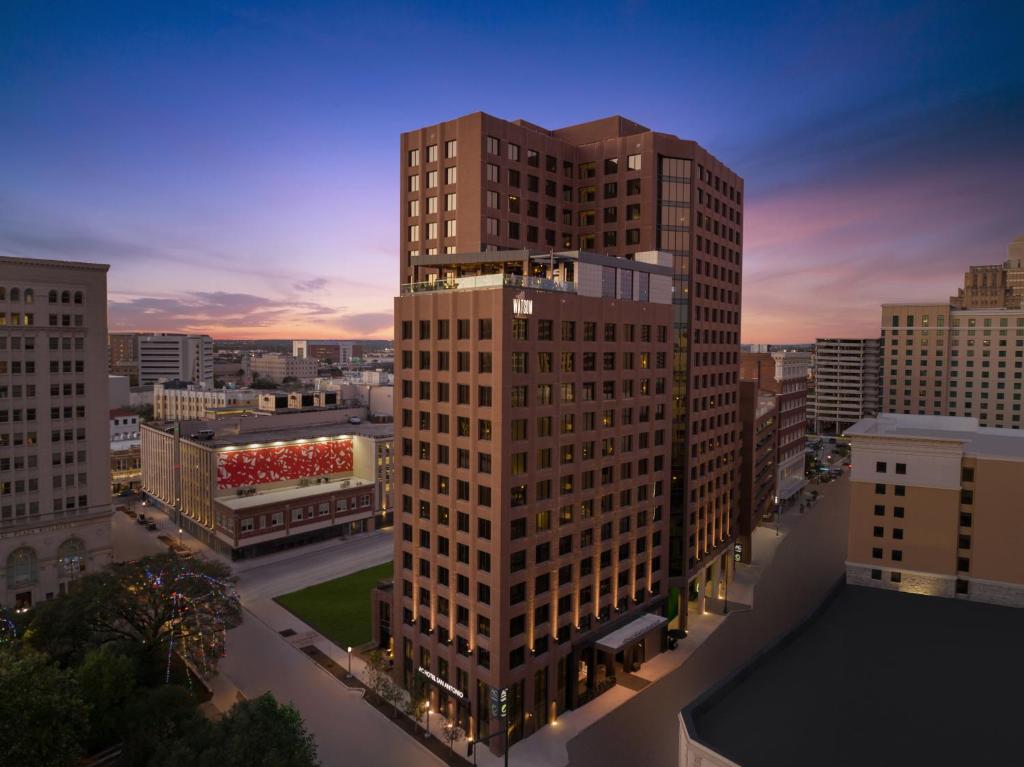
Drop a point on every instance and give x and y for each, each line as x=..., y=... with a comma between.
x=237, y=165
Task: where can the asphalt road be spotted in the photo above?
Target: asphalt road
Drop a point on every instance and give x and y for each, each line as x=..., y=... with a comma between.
x=644, y=731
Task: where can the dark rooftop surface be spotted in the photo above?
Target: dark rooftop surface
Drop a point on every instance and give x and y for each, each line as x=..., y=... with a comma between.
x=881, y=678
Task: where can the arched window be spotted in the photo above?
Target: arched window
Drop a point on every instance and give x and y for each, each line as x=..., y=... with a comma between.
x=15, y=294
x=65, y=297
x=78, y=296
x=53, y=296
x=22, y=568
x=30, y=296
x=71, y=557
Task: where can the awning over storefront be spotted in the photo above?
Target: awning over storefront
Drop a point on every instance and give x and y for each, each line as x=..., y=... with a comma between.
x=632, y=632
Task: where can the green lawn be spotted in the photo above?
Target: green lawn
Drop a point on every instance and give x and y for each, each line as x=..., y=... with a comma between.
x=339, y=609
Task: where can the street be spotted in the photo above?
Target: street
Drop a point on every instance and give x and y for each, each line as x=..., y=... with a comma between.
x=810, y=560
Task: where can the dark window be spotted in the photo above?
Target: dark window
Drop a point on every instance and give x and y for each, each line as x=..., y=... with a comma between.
x=880, y=467
x=901, y=468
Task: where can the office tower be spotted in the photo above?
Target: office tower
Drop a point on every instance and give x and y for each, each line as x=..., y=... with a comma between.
x=964, y=357
x=175, y=357
x=932, y=510
x=847, y=383
x=533, y=437
x=54, y=427
x=479, y=183
x=277, y=367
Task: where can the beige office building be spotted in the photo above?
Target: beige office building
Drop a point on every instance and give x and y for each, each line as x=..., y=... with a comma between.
x=277, y=367
x=847, y=383
x=54, y=427
x=935, y=508
x=964, y=357
x=175, y=400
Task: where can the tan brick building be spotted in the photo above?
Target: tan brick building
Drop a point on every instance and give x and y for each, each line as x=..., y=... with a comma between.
x=533, y=449
x=964, y=357
x=935, y=508
x=54, y=427
x=480, y=183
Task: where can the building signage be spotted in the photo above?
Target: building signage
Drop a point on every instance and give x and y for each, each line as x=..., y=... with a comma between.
x=444, y=685
x=522, y=306
x=499, y=703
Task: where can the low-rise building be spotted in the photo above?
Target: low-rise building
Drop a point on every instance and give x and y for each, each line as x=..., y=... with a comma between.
x=758, y=417
x=125, y=454
x=278, y=367
x=934, y=508
x=179, y=400
x=784, y=373
x=249, y=486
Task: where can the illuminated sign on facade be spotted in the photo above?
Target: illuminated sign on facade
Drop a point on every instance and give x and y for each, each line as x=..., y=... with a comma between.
x=448, y=687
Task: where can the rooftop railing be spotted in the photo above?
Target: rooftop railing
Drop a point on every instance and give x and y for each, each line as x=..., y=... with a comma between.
x=481, y=281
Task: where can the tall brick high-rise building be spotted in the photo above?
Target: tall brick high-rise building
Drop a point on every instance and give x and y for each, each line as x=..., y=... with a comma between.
x=479, y=183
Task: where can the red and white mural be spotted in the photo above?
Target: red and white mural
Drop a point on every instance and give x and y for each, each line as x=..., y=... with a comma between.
x=256, y=466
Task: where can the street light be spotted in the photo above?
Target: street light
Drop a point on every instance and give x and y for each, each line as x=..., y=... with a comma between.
x=180, y=531
x=349, y=651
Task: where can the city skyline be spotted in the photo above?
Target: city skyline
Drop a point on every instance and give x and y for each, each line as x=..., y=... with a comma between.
x=233, y=182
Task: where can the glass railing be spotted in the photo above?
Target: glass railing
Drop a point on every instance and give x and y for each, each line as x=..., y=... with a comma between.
x=481, y=281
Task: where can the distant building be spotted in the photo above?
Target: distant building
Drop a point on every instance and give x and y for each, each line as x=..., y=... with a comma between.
x=277, y=367
x=329, y=353
x=175, y=357
x=54, y=445
x=123, y=356
x=847, y=383
x=963, y=357
x=784, y=374
x=935, y=508
x=119, y=391
x=249, y=486
x=758, y=421
x=175, y=400
x=125, y=454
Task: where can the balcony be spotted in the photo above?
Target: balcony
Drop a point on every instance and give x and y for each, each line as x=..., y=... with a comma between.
x=485, y=281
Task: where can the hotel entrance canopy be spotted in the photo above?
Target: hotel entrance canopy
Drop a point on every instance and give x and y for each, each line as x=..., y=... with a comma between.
x=632, y=632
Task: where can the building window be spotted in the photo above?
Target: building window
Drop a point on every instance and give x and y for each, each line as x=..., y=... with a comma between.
x=493, y=145
x=880, y=467
x=450, y=149
x=901, y=468
x=633, y=162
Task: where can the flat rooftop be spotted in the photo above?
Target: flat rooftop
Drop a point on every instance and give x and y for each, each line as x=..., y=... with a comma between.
x=879, y=678
x=229, y=436
x=290, y=493
x=981, y=441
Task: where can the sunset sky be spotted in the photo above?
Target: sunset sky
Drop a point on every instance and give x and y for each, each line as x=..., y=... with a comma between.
x=237, y=164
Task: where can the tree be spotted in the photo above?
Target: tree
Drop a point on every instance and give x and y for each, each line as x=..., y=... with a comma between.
x=393, y=694
x=163, y=603
x=377, y=673
x=452, y=732
x=162, y=727
x=106, y=679
x=417, y=702
x=62, y=629
x=42, y=714
x=260, y=733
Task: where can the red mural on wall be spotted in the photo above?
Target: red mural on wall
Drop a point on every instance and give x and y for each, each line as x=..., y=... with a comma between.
x=256, y=466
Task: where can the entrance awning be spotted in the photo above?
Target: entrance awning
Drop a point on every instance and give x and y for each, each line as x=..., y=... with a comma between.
x=632, y=632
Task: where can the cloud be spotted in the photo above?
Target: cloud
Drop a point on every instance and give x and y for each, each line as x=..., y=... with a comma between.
x=311, y=286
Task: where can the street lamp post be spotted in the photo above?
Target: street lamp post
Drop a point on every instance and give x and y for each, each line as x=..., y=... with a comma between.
x=348, y=650
x=180, y=531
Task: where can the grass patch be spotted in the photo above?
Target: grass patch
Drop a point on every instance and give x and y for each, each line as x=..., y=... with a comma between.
x=339, y=609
